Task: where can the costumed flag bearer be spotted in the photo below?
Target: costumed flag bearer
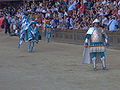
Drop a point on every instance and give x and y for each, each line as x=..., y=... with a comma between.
x=32, y=35
x=96, y=41
x=23, y=31
x=33, y=32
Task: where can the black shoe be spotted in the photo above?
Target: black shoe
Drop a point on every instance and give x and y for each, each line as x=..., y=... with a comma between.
x=95, y=69
x=104, y=68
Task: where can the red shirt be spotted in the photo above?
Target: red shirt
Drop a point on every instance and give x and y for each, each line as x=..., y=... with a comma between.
x=1, y=19
x=82, y=9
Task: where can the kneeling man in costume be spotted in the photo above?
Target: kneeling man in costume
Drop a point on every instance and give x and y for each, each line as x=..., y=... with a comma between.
x=96, y=41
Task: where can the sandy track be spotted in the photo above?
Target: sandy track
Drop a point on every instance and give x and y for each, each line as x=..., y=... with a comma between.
x=53, y=66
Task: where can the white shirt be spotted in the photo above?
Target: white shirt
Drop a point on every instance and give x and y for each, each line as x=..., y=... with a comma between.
x=71, y=7
x=38, y=10
x=47, y=15
x=119, y=3
x=119, y=12
x=112, y=24
x=65, y=14
x=104, y=2
x=105, y=21
x=84, y=1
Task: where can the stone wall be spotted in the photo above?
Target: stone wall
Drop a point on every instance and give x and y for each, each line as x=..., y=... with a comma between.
x=77, y=37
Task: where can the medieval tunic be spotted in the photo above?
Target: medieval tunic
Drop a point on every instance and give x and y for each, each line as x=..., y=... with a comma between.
x=96, y=40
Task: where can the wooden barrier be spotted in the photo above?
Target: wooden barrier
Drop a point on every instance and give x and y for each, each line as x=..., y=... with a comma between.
x=78, y=36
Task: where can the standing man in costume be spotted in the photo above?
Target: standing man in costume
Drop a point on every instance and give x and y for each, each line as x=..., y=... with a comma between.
x=95, y=45
x=7, y=25
x=48, y=31
x=33, y=32
x=23, y=32
x=32, y=35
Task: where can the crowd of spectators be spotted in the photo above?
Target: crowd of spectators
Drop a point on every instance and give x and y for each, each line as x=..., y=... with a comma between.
x=72, y=14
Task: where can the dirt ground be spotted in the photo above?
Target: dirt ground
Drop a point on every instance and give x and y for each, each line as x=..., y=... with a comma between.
x=53, y=66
